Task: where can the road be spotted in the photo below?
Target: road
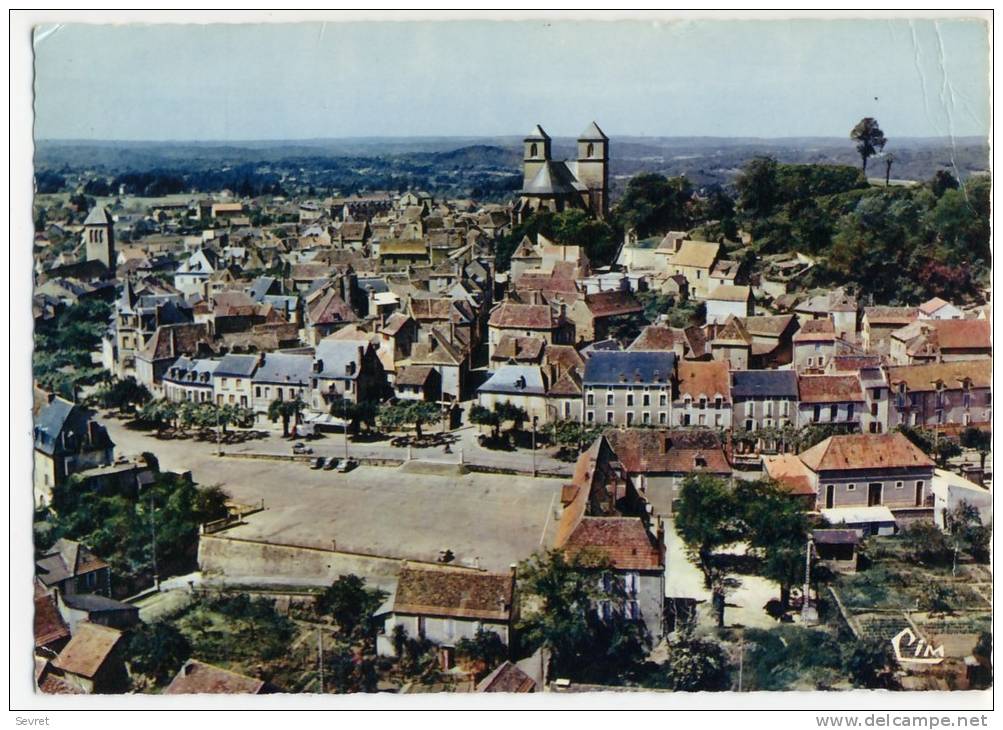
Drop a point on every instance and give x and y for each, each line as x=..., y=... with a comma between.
x=185, y=454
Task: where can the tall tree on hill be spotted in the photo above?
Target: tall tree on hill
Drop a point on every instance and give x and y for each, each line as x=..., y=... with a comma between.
x=869, y=138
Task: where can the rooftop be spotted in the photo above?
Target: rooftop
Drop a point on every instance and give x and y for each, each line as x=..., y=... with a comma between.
x=451, y=592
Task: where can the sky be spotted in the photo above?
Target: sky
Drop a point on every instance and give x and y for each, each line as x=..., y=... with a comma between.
x=751, y=78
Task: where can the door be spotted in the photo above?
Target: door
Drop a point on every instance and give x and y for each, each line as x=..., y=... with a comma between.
x=830, y=495
x=873, y=494
x=919, y=494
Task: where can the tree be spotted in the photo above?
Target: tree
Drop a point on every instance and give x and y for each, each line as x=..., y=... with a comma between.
x=776, y=527
x=157, y=650
x=355, y=413
x=966, y=533
x=351, y=603
x=869, y=139
x=395, y=416
x=889, y=160
x=655, y=204
x=286, y=410
x=942, y=181
x=159, y=413
x=482, y=416
x=978, y=440
x=707, y=517
x=871, y=664
x=484, y=651
x=758, y=187
x=123, y=394
x=211, y=504
x=577, y=614
x=694, y=665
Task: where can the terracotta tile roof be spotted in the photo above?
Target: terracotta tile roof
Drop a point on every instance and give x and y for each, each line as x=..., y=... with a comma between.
x=49, y=624
x=698, y=254
x=197, y=677
x=731, y=293
x=449, y=592
x=960, y=334
x=612, y=304
x=891, y=315
x=88, y=650
x=829, y=389
x=951, y=374
x=439, y=350
x=854, y=363
x=932, y=305
x=733, y=333
x=523, y=316
x=437, y=308
x=55, y=685
x=768, y=326
x=865, y=451
x=520, y=349
x=816, y=330
x=624, y=539
x=330, y=308
x=569, y=383
x=707, y=379
x=790, y=473
x=507, y=677
x=656, y=337
x=310, y=271
x=646, y=450
x=414, y=375
x=565, y=357
x=395, y=322
x=170, y=341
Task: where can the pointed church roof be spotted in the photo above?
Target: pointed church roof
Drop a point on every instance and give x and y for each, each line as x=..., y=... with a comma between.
x=99, y=216
x=593, y=133
x=553, y=178
x=537, y=133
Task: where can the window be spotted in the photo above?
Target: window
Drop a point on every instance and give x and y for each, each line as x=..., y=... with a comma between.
x=609, y=398
x=224, y=382
x=833, y=413
x=811, y=361
x=686, y=419
x=787, y=408
x=630, y=400
x=703, y=419
x=849, y=412
x=646, y=417
x=718, y=402
x=662, y=418
x=899, y=485
x=633, y=610
x=567, y=409
x=609, y=416
x=532, y=150
x=769, y=409
x=257, y=391
x=816, y=413
x=630, y=418
x=663, y=400
x=703, y=403
x=590, y=399
x=590, y=150
x=631, y=583
x=590, y=416
x=851, y=487
x=646, y=400
x=717, y=419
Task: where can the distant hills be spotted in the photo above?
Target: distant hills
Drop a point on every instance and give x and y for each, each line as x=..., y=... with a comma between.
x=705, y=160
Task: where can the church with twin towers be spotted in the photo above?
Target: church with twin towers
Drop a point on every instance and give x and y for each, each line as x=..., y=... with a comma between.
x=557, y=185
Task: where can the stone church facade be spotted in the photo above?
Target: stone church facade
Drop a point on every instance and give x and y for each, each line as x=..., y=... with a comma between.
x=558, y=185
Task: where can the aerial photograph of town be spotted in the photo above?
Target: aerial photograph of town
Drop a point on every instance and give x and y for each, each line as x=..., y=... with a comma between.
x=465, y=357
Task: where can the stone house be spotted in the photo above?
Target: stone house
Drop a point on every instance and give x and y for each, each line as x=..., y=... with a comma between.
x=879, y=323
x=92, y=661
x=857, y=471
x=703, y=394
x=190, y=380
x=830, y=399
x=349, y=370
x=764, y=399
x=166, y=345
x=444, y=605
x=729, y=300
x=67, y=440
x=694, y=260
x=814, y=346
x=626, y=388
x=547, y=321
x=280, y=376
x=940, y=340
x=70, y=567
x=939, y=395
x=232, y=380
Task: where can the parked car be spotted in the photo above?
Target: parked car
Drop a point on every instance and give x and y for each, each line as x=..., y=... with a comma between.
x=347, y=465
x=317, y=463
x=300, y=448
x=331, y=463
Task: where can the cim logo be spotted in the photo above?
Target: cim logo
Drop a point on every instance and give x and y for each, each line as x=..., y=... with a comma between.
x=911, y=648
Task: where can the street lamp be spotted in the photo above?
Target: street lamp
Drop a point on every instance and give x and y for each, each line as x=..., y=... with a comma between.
x=535, y=418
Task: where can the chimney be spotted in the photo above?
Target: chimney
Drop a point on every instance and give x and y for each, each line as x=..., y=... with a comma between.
x=49, y=397
x=261, y=359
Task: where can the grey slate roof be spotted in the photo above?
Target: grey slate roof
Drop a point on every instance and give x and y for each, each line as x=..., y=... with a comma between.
x=593, y=133
x=553, y=178
x=63, y=416
x=764, y=383
x=93, y=603
x=515, y=379
x=537, y=133
x=335, y=355
x=627, y=367
x=237, y=365
x=260, y=287
x=285, y=368
x=98, y=216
